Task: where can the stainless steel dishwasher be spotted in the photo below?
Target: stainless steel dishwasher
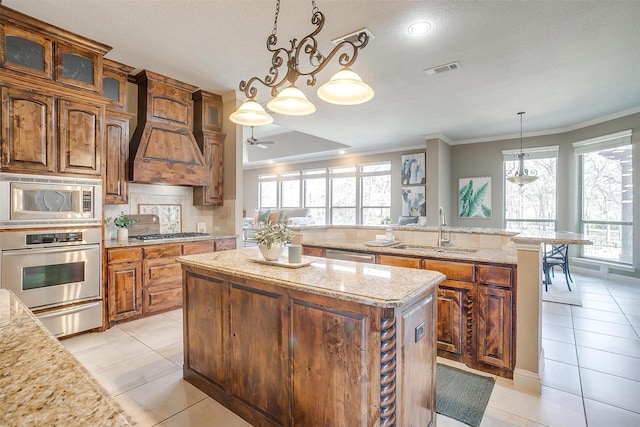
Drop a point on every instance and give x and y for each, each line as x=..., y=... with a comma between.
x=366, y=257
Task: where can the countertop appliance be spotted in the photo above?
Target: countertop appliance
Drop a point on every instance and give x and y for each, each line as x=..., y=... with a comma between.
x=368, y=258
x=57, y=274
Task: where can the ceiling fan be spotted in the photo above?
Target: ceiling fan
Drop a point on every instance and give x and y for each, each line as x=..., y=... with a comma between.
x=255, y=143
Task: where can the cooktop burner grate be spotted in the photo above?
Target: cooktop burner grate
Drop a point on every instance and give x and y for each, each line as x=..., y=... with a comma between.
x=169, y=236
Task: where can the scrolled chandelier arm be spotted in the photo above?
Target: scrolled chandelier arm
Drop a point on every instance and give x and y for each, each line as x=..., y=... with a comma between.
x=347, y=89
x=306, y=47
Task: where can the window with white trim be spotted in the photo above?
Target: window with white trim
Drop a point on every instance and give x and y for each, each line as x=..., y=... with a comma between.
x=375, y=184
x=268, y=191
x=344, y=195
x=315, y=194
x=606, y=196
x=531, y=207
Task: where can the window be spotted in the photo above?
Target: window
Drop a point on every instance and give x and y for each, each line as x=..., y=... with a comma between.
x=375, y=182
x=343, y=195
x=315, y=194
x=267, y=192
x=607, y=196
x=531, y=207
x=290, y=190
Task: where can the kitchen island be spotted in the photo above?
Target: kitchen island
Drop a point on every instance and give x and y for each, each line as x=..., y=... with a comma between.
x=334, y=343
x=41, y=383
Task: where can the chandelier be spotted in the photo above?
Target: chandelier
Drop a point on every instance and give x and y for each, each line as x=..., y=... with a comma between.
x=522, y=175
x=344, y=88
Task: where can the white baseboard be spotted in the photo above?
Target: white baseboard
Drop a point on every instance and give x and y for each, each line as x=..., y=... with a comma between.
x=527, y=381
x=604, y=273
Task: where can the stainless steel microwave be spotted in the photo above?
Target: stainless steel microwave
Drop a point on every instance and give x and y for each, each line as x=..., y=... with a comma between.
x=38, y=200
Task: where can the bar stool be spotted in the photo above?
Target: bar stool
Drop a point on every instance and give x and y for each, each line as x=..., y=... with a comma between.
x=556, y=255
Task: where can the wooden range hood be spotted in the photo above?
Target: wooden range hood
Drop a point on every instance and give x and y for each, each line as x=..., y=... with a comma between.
x=163, y=149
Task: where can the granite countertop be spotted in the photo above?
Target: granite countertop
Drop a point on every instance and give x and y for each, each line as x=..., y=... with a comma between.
x=41, y=383
x=370, y=284
x=476, y=255
x=558, y=237
x=112, y=243
x=410, y=227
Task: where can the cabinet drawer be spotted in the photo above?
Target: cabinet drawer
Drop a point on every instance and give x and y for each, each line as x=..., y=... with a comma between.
x=453, y=270
x=162, y=272
x=493, y=275
x=124, y=255
x=197, y=247
x=398, y=261
x=155, y=299
x=162, y=251
x=225, y=244
x=313, y=251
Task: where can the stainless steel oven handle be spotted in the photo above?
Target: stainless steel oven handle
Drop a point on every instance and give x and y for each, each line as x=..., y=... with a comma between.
x=56, y=250
x=70, y=310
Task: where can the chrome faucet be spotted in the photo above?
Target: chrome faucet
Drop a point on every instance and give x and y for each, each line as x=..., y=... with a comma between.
x=442, y=222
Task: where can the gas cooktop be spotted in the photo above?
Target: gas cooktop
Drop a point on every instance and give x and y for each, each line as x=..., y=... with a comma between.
x=166, y=236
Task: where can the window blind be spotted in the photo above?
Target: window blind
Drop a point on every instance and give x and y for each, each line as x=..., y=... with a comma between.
x=533, y=153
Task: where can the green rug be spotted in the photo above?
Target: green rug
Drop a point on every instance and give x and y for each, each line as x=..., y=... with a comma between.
x=462, y=395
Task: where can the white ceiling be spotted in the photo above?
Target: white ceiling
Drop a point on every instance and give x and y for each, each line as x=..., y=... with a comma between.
x=565, y=63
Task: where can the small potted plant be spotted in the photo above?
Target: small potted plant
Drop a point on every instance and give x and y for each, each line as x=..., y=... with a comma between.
x=123, y=223
x=271, y=239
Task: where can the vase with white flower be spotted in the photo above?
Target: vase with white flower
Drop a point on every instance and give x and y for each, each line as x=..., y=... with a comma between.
x=271, y=239
x=123, y=222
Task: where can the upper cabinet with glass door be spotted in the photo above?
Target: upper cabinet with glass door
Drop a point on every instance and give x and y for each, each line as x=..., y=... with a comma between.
x=35, y=48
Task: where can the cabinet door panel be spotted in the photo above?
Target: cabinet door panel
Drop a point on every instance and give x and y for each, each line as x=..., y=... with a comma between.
x=80, y=138
x=258, y=336
x=494, y=343
x=213, y=148
x=225, y=244
x=324, y=338
x=125, y=291
x=116, y=142
x=453, y=270
x=313, y=251
x=27, y=131
x=418, y=392
x=495, y=275
x=206, y=302
x=451, y=320
x=197, y=247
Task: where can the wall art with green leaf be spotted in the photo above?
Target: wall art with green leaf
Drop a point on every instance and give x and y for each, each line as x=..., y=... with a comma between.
x=474, y=197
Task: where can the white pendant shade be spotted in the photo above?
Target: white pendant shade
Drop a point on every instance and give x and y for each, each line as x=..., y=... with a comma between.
x=251, y=113
x=345, y=88
x=291, y=102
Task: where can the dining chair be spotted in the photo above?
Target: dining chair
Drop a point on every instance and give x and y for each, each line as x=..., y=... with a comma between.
x=556, y=255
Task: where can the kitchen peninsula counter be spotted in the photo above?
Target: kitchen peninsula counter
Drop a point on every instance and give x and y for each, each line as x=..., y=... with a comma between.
x=41, y=383
x=263, y=340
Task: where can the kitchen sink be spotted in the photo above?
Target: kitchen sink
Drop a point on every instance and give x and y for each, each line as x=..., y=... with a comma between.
x=426, y=248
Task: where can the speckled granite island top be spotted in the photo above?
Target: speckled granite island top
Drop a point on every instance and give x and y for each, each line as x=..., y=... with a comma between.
x=370, y=284
x=41, y=383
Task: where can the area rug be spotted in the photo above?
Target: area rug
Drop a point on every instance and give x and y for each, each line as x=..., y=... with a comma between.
x=560, y=293
x=462, y=395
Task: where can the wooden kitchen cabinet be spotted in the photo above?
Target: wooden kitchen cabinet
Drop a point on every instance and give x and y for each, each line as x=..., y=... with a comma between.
x=475, y=309
x=207, y=127
x=116, y=141
x=124, y=278
x=313, y=251
x=116, y=132
x=146, y=279
x=80, y=137
x=27, y=131
x=52, y=107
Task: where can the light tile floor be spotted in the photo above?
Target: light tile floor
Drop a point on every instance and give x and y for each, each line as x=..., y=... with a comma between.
x=591, y=376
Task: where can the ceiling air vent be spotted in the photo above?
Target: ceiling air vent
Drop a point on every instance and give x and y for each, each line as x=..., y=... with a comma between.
x=443, y=68
x=353, y=37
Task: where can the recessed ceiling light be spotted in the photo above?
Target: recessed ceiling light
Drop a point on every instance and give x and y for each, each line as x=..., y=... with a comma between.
x=418, y=28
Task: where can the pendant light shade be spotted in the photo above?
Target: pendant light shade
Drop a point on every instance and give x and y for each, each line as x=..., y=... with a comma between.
x=251, y=113
x=345, y=88
x=291, y=102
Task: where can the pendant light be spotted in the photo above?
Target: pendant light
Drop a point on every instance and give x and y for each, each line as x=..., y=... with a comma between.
x=522, y=175
x=251, y=113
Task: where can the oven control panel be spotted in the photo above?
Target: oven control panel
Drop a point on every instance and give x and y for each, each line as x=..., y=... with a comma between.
x=40, y=239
